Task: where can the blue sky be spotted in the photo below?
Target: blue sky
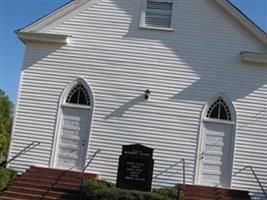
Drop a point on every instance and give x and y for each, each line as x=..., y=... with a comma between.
x=16, y=14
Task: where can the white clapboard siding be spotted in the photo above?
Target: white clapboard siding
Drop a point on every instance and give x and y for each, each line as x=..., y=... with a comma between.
x=183, y=70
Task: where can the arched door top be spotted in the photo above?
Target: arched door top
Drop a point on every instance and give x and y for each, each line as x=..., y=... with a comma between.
x=78, y=95
x=78, y=92
x=219, y=108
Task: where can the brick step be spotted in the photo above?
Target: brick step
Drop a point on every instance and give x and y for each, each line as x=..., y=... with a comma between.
x=39, y=184
x=10, y=194
x=15, y=195
x=56, y=192
x=203, y=187
x=59, y=172
x=51, y=174
x=199, y=198
x=217, y=198
x=196, y=192
x=55, y=187
x=46, y=184
x=214, y=195
x=74, y=180
x=10, y=198
x=55, y=177
x=205, y=190
x=196, y=197
x=29, y=179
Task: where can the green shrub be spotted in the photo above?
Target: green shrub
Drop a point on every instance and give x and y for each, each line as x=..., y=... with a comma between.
x=101, y=190
x=6, y=176
x=170, y=193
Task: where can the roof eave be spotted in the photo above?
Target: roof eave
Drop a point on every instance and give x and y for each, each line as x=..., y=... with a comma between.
x=244, y=21
x=253, y=57
x=53, y=16
x=26, y=37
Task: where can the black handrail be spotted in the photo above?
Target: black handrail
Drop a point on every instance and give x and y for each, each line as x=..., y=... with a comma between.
x=255, y=176
x=29, y=147
x=173, y=165
x=82, y=173
x=91, y=159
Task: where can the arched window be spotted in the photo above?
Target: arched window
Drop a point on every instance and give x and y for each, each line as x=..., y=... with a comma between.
x=219, y=110
x=78, y=95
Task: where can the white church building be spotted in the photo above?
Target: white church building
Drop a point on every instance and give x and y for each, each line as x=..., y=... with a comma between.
x=186, y=78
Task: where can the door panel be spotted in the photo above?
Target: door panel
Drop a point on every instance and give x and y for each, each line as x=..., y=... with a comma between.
x=215, y=168
x=73, y=138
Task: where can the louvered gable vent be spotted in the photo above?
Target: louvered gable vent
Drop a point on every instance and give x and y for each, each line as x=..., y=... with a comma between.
x=158, y=13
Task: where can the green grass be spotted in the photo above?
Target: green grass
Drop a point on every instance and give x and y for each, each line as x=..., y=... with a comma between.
x=6, y=176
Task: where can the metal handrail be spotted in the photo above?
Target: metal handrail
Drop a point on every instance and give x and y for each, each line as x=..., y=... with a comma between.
x=88, y=163
x=255, y=176
x=29, y=147
x=91, y=159
x=173, y=165
x=82, y=173
x=178, y=195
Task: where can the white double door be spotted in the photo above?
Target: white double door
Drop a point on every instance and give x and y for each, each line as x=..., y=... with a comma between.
x=215, y=158
x=73, y=138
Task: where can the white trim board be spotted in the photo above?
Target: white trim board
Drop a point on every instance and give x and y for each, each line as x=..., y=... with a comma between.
x=42, y=37
x=254, y=57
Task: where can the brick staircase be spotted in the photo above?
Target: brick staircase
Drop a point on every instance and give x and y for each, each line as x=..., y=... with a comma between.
x=195, y=192
x=46, y=184
x=39, y=183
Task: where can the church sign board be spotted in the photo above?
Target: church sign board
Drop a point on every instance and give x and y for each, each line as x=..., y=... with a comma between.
x=135, y=168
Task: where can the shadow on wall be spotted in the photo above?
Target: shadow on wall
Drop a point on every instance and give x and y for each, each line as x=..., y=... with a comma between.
x=208, y=61
x=118, y=113
x=36, y=53
x=193, y=63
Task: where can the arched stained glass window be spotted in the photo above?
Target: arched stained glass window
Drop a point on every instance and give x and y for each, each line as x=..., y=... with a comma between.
x=78, y=95
x=219, y=110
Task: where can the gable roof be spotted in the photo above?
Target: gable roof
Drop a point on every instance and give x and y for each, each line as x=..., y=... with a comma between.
x=53, y=16
x=240, y=17
x=226, y=5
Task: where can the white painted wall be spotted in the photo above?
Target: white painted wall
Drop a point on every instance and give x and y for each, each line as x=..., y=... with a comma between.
x=183, y=70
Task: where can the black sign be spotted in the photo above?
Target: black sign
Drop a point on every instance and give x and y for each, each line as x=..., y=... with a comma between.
x=135, y=168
